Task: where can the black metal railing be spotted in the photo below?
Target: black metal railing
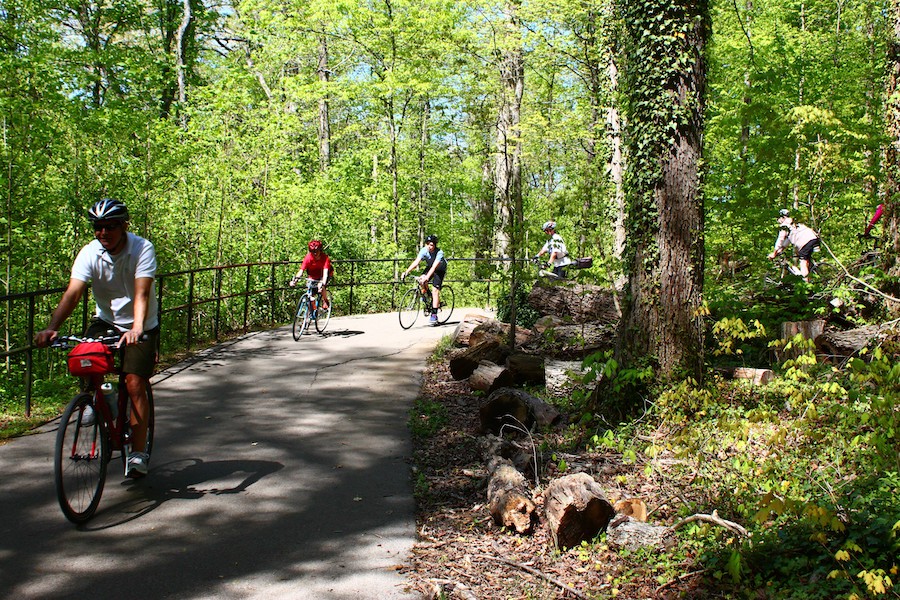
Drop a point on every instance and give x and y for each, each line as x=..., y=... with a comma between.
x=201, y=305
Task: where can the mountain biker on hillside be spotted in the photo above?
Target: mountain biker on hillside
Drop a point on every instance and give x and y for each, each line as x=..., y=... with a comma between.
x=121, y=268
x=317, y=265
x=804, y=239
x=435, y=271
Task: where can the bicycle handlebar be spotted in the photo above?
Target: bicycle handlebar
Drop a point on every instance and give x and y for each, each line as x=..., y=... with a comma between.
x=67, y=341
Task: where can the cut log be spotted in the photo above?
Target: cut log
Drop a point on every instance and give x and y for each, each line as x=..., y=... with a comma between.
x=571, y=342
x=494, y=329
x=632, y=507
x=520, y=455
x=577, y=509
x=508, y=498
x=464, y=363
x=489, y=377
x=525, y=368
x=560, y=376
x=466, y=327
x=837, y=346
x=627, y=532
x=509, y=406
x=754, y=376
x=576, y=303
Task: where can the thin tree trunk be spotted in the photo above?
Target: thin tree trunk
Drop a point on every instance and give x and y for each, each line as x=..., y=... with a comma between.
x=180, y=62
x=892, y=148
x=324, y=118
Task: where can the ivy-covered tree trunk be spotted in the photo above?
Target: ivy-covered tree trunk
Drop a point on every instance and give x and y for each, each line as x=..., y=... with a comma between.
x=324, y=129
x=665, y=85
x=892, y=149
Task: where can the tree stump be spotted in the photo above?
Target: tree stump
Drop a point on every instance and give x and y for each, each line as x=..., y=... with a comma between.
x=508, y=499
x=464, y=363
x=576, y=509
x=841, y=345
x=509, y=406
x=558, y=376
x=808, y=329
x=525, y=368
x=489, y=377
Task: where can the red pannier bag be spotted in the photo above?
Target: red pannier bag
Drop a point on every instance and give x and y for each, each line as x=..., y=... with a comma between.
x=90, y=358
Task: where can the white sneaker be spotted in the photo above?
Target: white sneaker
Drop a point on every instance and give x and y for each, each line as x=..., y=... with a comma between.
x=138, y=464
x=87, y=415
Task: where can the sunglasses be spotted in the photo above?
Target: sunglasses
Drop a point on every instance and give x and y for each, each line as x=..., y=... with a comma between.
x=109, y=226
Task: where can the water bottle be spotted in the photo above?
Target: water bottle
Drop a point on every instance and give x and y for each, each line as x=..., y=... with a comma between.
x=111, y=397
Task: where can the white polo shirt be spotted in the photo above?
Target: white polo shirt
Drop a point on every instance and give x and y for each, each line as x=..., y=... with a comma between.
x=112, y=280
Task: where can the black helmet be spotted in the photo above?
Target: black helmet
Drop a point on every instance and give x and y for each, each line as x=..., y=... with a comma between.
x=431, y=238
x=108, y=210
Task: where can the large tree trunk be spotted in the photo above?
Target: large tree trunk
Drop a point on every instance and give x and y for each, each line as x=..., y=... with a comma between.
x=577, y=509
x=665, y=215
x=892, y=149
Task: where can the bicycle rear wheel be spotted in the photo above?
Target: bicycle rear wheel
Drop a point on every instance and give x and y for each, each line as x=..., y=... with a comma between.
x=409, y=308
x=446, y=308
x=80, y=459
x=301, y=318
x=323, y=315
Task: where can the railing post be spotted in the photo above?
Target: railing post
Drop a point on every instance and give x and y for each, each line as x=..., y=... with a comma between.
x=29, y=359
x=272, y=296
x=352, y=283
x=247, y=298
x=218, y=303
x=190, y=310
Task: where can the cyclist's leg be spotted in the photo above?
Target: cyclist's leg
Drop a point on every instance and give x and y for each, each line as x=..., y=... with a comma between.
x=437, y=282
x=138, y=364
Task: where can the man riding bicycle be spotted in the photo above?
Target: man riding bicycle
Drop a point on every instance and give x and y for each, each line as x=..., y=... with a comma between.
x=435, y=270
x=121, y=268
x=804, y=239
x=317, y=265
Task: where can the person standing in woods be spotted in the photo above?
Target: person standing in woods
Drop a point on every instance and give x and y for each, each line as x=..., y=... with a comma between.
x=435, y=270
x=121, y=268
x=556, y=248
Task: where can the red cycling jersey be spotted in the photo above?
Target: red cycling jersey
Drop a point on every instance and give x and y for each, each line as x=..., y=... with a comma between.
x=314, y=267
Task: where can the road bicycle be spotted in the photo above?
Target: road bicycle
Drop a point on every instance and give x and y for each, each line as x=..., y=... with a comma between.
x=418, y=301
x=309, y=308
x=95, y=423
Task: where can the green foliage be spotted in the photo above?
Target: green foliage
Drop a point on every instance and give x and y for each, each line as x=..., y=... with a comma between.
x=426, y=417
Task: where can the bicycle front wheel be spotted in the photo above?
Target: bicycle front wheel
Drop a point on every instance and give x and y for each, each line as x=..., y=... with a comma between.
x=446, y=307
x=323, y=315
x=80, y=459
x=301, y=318
x=409, y=308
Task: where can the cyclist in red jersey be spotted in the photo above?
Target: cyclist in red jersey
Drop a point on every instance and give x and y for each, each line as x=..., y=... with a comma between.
x=317, y=265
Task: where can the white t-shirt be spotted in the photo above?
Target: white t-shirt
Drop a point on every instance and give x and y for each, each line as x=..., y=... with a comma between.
x=797, y=234
x=556, y=244
x=112, y=280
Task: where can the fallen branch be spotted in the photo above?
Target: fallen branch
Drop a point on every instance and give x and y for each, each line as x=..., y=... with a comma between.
x=715, y=519
x=679, y=579
x=537, y=573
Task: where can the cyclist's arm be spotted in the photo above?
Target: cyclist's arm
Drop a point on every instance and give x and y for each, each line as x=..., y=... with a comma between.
x=142, y=287
x=66, y=306
x=412, y=266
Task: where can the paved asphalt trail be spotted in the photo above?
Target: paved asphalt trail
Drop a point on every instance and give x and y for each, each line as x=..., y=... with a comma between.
x=280, y=470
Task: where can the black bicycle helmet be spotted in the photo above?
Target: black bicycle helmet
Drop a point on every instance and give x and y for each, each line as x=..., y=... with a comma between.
x=108, y=209
x=431, y=238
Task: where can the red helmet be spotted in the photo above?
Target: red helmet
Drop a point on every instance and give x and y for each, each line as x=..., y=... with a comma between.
x=315, y=245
